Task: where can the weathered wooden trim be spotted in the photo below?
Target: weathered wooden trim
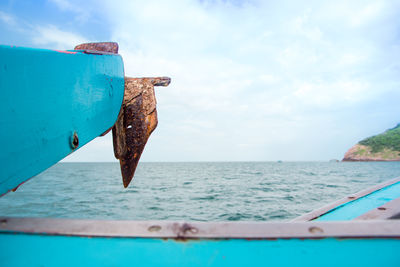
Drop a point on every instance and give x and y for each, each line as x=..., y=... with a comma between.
x=325, y=209
x=206, y=230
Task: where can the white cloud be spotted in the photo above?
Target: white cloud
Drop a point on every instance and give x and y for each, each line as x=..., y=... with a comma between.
x=52, y=37
x=366, y=14
x=82, y=14
x=7, y=18
x=339, y=93
x=45, y=36
x=258, y=80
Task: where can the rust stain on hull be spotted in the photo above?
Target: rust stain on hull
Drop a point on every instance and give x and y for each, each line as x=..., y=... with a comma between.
x=136, y=121
x=65, y=52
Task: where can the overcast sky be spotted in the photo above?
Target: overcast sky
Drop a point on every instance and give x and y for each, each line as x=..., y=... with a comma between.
x=251, y=80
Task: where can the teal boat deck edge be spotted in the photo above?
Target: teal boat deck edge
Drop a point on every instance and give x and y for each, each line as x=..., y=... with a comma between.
x=25, y=241
x=356, y=205
x=356, y=208
x=47, y=97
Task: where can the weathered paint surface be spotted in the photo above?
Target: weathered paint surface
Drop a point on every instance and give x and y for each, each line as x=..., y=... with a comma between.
x=356, y=208
x=41, y=250
x=198, y=230
x=46, y=97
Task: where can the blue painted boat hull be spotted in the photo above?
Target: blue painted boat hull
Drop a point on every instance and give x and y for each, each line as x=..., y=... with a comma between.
x=46, y=97
x=52, y=242
x=28, y=250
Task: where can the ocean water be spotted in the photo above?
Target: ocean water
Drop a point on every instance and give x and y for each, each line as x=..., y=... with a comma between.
x=206, y=191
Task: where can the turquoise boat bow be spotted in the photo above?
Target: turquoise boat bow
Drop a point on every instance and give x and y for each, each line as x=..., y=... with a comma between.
x=54, y=102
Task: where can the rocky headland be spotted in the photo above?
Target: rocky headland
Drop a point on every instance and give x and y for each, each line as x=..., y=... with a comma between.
x=381, y=147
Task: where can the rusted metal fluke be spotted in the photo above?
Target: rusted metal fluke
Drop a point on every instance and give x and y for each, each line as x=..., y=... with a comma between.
x=137, y=118
x=136, y=121
x=110, y=47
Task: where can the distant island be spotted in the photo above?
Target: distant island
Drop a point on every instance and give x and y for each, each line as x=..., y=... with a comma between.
x=381, y=147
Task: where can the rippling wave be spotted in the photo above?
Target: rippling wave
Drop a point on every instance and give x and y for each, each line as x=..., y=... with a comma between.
x=207, y=191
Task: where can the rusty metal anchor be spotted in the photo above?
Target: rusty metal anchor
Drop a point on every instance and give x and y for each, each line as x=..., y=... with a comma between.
x=137, y=118
x=136, y=121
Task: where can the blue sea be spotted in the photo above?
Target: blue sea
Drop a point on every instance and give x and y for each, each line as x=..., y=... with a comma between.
x=202, y=191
